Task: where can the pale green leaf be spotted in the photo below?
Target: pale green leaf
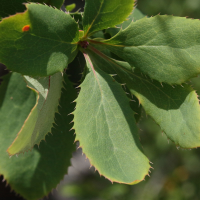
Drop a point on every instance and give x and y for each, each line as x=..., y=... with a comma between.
x=46, y=48
x=34, y=174
x=70, y=7
x=106, y=129
x=164, y=47
x=41, y=118
x=175, y=109
x=102, y=14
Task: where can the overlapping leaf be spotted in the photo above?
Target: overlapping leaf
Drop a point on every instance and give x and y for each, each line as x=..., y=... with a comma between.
x=34, y=174
x=176, y=110
x=46, y=48
x=164, y=47
x=102, y=14
x=135, y=15
x=11, y=7
x=105, y=126
x=41, y=118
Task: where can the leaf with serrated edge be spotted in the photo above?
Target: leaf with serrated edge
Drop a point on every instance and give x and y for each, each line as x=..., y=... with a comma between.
x=102, y=14
x=176, y=110
x=134, y=16
x=106, y=129
x=164, y=47
x=46, y=48
x=34, y=174
x=41, y=118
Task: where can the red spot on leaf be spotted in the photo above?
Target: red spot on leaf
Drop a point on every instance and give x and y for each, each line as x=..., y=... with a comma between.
x=26, y=28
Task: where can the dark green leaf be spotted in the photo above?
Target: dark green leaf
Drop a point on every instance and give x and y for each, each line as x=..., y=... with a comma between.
x=46, y=48
x=102, y=14
x=34, y=174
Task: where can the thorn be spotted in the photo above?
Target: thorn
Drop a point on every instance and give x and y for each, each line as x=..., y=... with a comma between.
x=71, y=129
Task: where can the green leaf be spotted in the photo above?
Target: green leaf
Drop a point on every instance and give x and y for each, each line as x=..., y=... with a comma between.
x=106, y=129
x=41, y=118
x=34, y=174
x=70, y=7
x=134, y=16
x=11, y=7
x=46, y=48
x=176, y=110
x=102, y=14
x=78, y=17
x=164, y=47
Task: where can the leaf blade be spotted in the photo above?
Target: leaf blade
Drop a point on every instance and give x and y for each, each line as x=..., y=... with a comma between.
x=34, y=174
x=163, y=47
x=101, y=132
x=99, y=14
x=41, y=118
x=46, y=48
x=133, y=17
x=176, y=110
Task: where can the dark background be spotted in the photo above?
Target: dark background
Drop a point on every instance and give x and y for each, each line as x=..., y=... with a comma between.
x=176, y=174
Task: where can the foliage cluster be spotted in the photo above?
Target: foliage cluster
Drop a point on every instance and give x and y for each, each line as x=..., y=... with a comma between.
x=132, y=62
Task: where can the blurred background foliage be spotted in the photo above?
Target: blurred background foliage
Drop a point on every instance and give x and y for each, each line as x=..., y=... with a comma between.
x=176, y=173
x=190, y=8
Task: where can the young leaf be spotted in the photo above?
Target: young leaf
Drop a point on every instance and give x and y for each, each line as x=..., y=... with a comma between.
x=45, y=48
x=41, y=117
x=34, y=174
x=70, y=7
x=102, y=14
x=11, y=7
x=176, y=110
x=164, y=47
x=106, y=129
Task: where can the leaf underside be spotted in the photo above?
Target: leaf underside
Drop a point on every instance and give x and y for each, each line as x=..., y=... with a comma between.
x=176, y=110
x=34, y=174
x=166, y=48
x=46, y=48
x=102, y=14
x=41, y=118
x=106, y=129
